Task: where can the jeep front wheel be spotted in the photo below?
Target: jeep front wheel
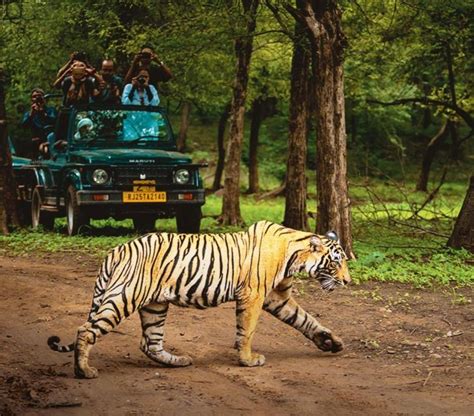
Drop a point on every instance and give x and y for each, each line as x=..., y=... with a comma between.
x=39, y=217
x=188, y=219
x=144, y=223
x=75, y=216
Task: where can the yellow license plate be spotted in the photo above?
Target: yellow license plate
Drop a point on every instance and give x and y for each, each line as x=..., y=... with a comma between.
x=144, y=197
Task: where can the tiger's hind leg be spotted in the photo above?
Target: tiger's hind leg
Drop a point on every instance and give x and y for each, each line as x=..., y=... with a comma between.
x=153, y=318
x=106, y=317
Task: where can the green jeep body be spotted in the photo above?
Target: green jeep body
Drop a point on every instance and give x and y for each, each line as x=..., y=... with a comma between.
x=124, y=164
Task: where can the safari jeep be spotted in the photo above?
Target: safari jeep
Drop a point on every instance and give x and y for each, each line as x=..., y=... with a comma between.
x=118, y=162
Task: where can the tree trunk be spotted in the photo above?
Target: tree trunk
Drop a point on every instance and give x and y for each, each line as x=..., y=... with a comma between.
x=455, y=145
x=463, y=232
x=323, y=20
x=183, y=127
x=8, y=212
x=296, y=182
x=257, y=117
x=243, y=50
x=428, y=157
x=220, y=148
x=262, y=108
x=456, y=153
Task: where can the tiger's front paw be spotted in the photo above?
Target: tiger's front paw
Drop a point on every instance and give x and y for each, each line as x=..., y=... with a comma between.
x=326, y=341
x=183, y=361
x=254, y=360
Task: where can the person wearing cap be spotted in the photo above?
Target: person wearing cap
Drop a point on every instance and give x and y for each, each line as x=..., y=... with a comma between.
x=38, y=119
x=81, y=85
x=147, y=59
x=84, y=129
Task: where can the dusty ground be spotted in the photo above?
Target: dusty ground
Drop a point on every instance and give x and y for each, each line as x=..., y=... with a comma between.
x=408, y=352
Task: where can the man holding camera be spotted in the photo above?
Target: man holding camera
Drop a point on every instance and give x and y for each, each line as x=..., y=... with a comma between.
x=139, y=91
x=39, y=120
x=82, y=85
x=112, y=84
x=147, y=59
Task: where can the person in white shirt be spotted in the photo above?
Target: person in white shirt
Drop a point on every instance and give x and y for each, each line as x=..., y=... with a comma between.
x=140, y=92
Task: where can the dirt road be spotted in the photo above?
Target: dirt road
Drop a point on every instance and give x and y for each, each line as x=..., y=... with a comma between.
x=408, y=352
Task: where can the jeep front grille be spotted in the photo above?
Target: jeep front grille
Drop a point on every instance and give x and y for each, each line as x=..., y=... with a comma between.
x=126, y=175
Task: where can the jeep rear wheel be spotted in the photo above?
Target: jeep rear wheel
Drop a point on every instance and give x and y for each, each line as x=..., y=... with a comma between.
x=188, y=219
x=144, y=223
x=75, y=216
x=38, y=216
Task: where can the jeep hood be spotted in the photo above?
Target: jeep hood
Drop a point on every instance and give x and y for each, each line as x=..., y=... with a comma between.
x=127, y=157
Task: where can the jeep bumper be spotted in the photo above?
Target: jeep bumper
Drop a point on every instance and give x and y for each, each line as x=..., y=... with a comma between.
x=173, y=197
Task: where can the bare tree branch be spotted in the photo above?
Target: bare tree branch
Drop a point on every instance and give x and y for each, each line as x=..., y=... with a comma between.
x=432, y=195
x=429, y=101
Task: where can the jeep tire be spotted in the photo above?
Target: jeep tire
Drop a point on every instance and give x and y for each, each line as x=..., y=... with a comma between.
x=188, y=219
x=75, y=216
x=144, y=223
x=38, y=216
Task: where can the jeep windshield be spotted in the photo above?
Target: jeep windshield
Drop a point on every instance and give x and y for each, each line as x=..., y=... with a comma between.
x=120, y=127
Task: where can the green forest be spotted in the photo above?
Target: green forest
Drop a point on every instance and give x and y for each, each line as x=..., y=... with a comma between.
x=408, y=82
x=236, y=207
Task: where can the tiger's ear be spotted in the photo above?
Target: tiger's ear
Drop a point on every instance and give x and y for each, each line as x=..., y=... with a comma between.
x=332, y=235
x=316, y=243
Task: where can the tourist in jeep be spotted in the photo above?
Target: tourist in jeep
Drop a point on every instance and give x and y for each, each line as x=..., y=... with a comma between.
x=81, y=86
x=140, y=92
x=38, y=120
x=84, y=129
x=147, y=59
x=63, y=71
x=112, y=84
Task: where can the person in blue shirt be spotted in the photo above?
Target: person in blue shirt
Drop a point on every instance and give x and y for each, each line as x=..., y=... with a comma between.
x=140, y=92
x=40, y=120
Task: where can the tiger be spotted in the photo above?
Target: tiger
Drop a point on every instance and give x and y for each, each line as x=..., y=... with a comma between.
x=255, y=268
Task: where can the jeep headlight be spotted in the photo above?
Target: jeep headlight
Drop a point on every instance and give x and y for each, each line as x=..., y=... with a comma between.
x=100, y=176
x=182, y=176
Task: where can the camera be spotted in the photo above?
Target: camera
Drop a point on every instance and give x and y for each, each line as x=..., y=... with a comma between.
x=141, y=80
x=80, y=56
x=145, y=55
x=38, y=99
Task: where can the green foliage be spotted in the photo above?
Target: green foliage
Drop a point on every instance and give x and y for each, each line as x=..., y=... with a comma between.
x=400, y=50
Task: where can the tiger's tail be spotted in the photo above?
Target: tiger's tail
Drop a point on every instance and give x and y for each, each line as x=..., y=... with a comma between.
x=54, y=344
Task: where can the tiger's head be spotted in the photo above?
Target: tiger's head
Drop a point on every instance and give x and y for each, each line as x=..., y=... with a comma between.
x=326, y=261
